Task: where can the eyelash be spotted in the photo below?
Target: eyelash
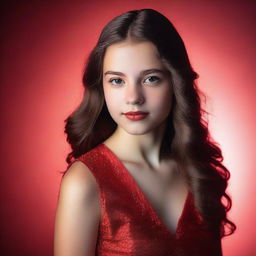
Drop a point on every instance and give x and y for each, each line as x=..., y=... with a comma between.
x=112, y=79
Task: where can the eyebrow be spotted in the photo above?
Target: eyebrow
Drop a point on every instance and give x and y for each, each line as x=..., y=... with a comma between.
x=144, y=72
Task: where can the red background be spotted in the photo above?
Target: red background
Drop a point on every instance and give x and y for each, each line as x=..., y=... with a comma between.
x=43, y=50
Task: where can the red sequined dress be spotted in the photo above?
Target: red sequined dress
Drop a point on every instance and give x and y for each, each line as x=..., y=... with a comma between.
x=129, y=225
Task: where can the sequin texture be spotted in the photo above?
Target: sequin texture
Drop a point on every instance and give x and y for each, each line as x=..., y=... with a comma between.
x=130, y=226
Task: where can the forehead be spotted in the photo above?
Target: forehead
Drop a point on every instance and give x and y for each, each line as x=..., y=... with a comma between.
x=133, y=56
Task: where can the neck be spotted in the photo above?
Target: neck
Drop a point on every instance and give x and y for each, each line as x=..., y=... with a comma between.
x=143, y=149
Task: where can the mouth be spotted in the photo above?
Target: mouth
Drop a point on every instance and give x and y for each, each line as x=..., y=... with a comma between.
x=137, y=115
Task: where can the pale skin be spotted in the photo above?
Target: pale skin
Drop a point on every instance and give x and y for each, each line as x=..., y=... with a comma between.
x=136, y=143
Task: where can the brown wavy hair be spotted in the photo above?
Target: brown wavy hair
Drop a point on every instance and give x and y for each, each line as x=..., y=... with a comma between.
x=186, y=139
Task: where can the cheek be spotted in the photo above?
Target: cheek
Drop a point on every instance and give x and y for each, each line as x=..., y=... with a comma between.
x=161, y=100
x=112, y=100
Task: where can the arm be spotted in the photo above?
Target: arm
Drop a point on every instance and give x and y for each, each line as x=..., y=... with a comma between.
x=78, y=213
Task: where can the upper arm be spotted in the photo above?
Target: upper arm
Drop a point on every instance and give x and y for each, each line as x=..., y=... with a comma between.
x=78, y=213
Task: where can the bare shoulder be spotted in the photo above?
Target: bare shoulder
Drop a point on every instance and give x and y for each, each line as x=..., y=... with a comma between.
x=78, y=212
x=79, y=178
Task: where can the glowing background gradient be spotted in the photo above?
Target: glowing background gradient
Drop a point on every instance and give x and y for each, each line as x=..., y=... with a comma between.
x=43, y=50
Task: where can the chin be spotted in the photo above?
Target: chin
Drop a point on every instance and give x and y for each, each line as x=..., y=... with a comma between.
x=137, y=131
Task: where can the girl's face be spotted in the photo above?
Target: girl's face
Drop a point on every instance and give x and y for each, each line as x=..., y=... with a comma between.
x=134, y=79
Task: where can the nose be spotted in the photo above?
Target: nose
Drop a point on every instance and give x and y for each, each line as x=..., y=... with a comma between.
x=134, y=95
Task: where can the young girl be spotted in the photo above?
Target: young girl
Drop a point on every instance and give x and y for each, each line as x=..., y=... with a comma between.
x=144, y=176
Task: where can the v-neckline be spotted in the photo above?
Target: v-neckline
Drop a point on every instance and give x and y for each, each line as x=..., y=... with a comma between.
x=147, y=202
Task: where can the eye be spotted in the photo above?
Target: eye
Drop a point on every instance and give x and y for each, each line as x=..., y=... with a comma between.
x=154, y=78
x=116, y=80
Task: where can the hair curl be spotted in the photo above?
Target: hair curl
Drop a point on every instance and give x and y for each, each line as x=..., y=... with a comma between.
x=186, y=139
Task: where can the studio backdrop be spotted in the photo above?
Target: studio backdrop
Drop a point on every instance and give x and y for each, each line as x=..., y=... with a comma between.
x=44, y=46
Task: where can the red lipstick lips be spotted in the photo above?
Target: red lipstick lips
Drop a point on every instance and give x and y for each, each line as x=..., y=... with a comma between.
x=136, y=115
